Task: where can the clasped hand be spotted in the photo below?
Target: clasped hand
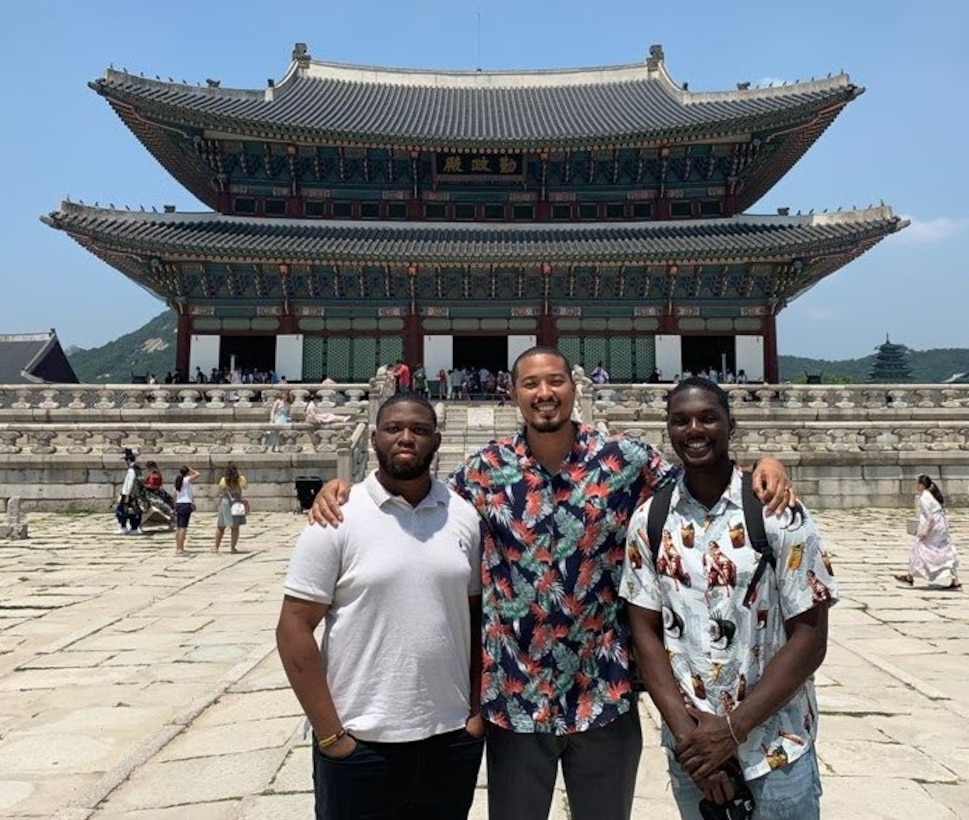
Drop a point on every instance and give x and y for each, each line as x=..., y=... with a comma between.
x=703, y=753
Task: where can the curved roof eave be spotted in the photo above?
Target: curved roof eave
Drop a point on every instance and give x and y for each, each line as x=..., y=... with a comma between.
x=207, y=235
x=364, y=105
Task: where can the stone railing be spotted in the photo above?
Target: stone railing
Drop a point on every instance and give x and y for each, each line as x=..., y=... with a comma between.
x=20, y=401
x=845, y=445
x=61, y=445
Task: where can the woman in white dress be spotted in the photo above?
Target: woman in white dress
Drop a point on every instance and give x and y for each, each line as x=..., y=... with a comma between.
x=933, y=555
x=280, y=414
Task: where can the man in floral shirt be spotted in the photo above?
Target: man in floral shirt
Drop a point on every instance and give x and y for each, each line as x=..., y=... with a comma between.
x=729, y=666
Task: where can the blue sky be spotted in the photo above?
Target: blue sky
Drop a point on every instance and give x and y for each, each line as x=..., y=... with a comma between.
x=901, y=142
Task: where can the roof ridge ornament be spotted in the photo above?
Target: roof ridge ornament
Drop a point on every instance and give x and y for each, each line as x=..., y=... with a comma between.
x=301, y=55
x=656, y=57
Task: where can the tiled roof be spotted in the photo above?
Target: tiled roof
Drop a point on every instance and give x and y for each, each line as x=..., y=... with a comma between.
x=33, y=358
x=532, y=108
x=210, y=235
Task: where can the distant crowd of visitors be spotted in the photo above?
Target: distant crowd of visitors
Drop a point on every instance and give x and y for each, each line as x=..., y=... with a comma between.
x=225, y=375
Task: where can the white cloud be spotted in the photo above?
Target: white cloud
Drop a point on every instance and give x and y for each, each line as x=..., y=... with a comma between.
x=765, y=82
x=821, y=314
x=933, y=230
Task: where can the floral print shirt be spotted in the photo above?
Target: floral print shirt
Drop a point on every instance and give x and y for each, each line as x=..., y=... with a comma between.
x=720, y=635
x=556, y=645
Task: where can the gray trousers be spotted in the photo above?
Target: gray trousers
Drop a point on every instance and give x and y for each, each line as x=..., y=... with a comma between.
x=598, y=766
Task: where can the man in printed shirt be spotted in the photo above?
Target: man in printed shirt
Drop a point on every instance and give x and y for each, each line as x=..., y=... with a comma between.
x=731, y=671
x=557, y=685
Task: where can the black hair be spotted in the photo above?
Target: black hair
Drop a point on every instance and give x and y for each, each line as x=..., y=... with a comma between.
x=932, y=487
x=541, y=350
x=410, y=398
x=180, y=478
x=703, y=384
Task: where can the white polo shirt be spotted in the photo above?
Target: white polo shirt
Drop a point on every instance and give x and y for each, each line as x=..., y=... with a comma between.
x=397, y=639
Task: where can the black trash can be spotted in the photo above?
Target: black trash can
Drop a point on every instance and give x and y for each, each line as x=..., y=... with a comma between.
x=307, y=486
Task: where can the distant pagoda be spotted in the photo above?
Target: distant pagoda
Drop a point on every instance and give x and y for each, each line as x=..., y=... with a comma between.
x=891, y=365
x=455, y=218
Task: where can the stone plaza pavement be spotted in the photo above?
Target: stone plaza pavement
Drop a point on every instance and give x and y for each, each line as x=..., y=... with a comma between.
x=134, y=684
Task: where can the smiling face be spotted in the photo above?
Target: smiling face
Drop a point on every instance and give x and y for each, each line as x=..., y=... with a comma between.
x=405, y=440
x=544, y=391
x=699, y=428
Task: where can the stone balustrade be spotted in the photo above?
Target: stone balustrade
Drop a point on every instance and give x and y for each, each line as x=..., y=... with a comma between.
x=61, y=445
x=845, y=445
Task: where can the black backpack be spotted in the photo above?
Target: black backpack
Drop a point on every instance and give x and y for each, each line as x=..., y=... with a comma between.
x=753, y=523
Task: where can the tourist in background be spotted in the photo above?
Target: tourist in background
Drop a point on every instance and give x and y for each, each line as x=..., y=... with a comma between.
x=600, y=375
x=232, y=507
x=154, y=486
x=402, y=371
x=419, y=379
x=443, y=384
x=184, y=505
x=128, y=511
x=320, y=418
x=280, y=414
x=933, y=555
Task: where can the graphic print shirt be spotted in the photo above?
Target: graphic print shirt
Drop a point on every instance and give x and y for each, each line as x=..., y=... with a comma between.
x=718, y=645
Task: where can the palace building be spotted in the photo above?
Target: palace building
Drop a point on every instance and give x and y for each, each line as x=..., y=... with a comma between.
x=360, y=215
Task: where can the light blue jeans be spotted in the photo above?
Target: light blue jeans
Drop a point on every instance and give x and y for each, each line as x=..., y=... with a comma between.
x=790, y=793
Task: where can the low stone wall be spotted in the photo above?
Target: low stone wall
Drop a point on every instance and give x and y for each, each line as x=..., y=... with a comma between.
x=61, y=448
x=846, y=446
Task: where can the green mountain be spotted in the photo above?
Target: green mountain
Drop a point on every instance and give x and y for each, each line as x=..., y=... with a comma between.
x=151, y=349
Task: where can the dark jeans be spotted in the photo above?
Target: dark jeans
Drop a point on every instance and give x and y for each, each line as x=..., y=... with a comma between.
x=430, y=779
x=598, y=766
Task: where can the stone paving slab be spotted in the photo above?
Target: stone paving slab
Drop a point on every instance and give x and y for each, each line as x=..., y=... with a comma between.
x=137, y=685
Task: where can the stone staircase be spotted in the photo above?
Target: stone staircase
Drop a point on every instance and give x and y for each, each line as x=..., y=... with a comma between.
x=468, y=426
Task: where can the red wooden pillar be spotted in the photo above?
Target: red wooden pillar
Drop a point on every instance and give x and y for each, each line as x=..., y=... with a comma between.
x=415, y=208
x=771, y=368
x=413, y=340
x=183, y=344
x=288, y=323
x=546, y=335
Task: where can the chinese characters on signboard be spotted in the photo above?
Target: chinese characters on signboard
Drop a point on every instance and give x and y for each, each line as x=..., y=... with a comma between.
x=456, y=166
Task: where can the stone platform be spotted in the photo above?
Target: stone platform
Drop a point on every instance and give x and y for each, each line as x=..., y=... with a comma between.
x=134, y=684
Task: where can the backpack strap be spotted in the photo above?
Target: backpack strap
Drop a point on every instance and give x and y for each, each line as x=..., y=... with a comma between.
x=754, y=523
x=659, y=509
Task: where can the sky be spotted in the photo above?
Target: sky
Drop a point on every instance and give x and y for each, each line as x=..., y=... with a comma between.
x=900, y=143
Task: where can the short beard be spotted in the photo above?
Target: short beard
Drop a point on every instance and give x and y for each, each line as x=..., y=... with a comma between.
x=416, y=470
x=547, y=426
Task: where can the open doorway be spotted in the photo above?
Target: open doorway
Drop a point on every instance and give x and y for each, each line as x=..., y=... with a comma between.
x=251, y=352
x=701, y=353
x=476, y=352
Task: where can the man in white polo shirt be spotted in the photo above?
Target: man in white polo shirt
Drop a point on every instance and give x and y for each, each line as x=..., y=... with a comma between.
x=394, y=705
